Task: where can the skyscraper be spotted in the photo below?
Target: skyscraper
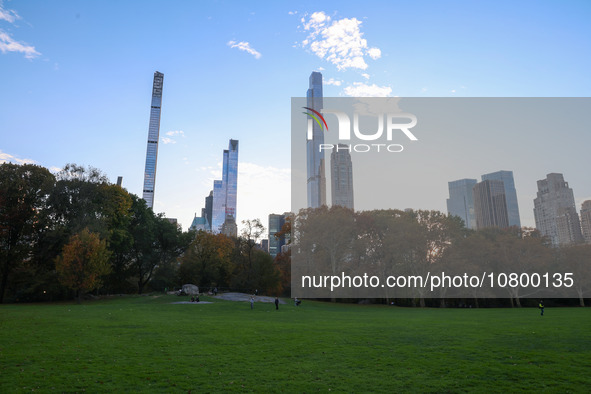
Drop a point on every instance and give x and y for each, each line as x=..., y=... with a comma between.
x=461, y=201
x=225, y=191
x=208, y=210
x=315, y=158
x=586, y=221
x=555, y=212
x=153, y=136
x=276, y=222
x=341, y=176
x=510, y=194
x=490, y=205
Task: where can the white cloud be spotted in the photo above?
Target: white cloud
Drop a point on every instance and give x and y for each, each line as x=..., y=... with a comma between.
x=245, y=46
x=332, y=81
x=8, y=158
x=292, y=12
x=8, y=15
x=167, y=140
x=175, y=132
x=365, y=75
x=360, y=89
x=8, y=44
x=340, y=41
x=374, y=53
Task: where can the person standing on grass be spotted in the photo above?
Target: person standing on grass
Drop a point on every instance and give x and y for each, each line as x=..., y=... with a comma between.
x=251, y=302
x=541, y=306
x=276, y=303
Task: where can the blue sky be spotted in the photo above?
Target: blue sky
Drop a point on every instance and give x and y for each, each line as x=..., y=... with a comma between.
x=77, y=79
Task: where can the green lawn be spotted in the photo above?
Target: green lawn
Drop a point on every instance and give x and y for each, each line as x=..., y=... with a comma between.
x=139, y=344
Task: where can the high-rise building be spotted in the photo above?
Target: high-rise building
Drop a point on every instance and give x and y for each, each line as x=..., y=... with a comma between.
x=200, y=224
x=510, y=194
x=208, y=210
x=461, y=201
x=225, y=190
x=586, y=221
x=230, y=228
x=153, y=136
x=315, y=158
x=555, y=212
x=218, y=210
x=276, y=222
x=490, y=205
x=341, y=176
x=265, y=245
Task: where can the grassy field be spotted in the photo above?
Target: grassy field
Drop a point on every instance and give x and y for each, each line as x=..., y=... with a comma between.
x=148, y=344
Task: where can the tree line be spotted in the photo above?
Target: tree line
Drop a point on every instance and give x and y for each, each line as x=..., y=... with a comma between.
x=330, y=241
x=67, y=234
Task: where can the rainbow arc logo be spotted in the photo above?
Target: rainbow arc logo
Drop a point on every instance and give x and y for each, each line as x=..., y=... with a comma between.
x=316, y=115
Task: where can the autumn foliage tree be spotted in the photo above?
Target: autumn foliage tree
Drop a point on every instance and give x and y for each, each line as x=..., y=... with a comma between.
x=83, y=262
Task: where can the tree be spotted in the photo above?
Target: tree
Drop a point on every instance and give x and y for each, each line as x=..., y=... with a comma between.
x=83, y=262
x=115, y=212
x=23, y=194
x=577, y=259
x=253, y=229
x=207, y=261
x=76, y=201
x=325, y=240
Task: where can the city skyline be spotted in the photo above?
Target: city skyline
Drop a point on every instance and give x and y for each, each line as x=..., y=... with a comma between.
x=67, y=60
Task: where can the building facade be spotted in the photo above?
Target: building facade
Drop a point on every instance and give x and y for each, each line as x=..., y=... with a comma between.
x=153, y=136
x=555, y=212
x=461, y=201
x=490, y=205
x=316, y=177
x=341, y=177
x=586, y=221
x=276, y=222
x=510, y=194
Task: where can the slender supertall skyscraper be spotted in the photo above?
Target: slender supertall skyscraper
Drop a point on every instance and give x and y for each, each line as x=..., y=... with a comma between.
x=341, y=176
x=153, y=136
x=315, y=157
x=510, y=194
x=225, y=191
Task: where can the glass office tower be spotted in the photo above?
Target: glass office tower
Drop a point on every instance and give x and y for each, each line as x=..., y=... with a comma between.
x=315, y=159
x=461, y=201
x=510, y=194
x=225, y=191
x=153, y=136
x=490, y=204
